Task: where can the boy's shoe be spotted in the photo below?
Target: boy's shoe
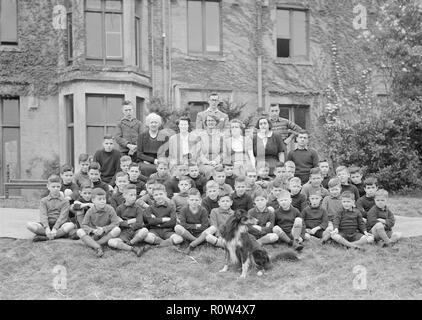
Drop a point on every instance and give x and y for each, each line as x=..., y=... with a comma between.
x=189, y=250
x=387, y=245
x=74, y=237
x=296, y=246
x=100, y=252
x=39, y=238
x=138, y=251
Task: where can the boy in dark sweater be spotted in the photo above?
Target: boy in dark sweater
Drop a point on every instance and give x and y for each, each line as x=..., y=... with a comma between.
x=332, y=205
x=94, y=176
x=211, y=200
x=69, y=188
x=325, y=172
x=315, y=217
x=100, y=223
x=263, y=178
x=180, y=199
x=356, y=180
x=343, y=174
x=193, y=221
x=82, y=175
x=125, y=162
x=219, y=176
x=163, y=174
x=314, y=184
x=276, y=189
x=172, y=185
x=198, y=178
x=135, y=178
x=381, y=220
x=251, y=185
x=218, y=218
x=299, y=200
x=108, y=158
x=288, y=222
x=230, y=177
x=263, y=230
x=366, y=202
x=132, y=225
x=81, y=205
x=122, y=180
x=349, y=227
x=161, y=217
x=240, y=199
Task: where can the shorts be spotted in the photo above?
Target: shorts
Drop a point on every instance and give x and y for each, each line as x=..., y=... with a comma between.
x=195, y=232
x=318, y=234
x=163, y=233
x=50, y=224
x=351, y=237
x=127, y=234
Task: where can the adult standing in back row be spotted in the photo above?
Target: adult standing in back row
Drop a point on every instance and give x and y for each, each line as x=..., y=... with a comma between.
x=304, y=157
x=223, y=118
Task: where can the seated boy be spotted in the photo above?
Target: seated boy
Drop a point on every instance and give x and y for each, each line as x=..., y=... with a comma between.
x=315, y=217
x=172, y=185
x=122, y=180
x=299, y=200
x=69, y=188
x=281, y=176
x=218, y=218
x=314, y=184
x=251, y=185
x=366, y=202
x=263, y=179
x=132, y=226
x=161, y=217
x=163, y=174
x=219, y=176
x=288, y=222
x=145, y=200
x=54, y=214
x=230, y=176
x=193, y=221
x=332, y=205
x=198, y=178
x=181, y=199
x=325, y=172
x=343, y=174
x=240, y=199
x=82, y=175
x=356, y=180
x=211, y=199
x=135, y=178
x=125, y=162
x=263, y=230
x=100, y=223
x=276, y=189
x=94, y=177
x=381, y=220
x=108, y=158
x=290, y=169
x=349, y=227
x=81, y=205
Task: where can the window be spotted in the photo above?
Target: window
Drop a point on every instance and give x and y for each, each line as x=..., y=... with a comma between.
x=204, y=31
x=104, y=35
x=292, y=30
x=140, y=105
x=69, y=31
x=10, y=141
x=296, y=113
x=102, y=114
x=138, y=32
x=70, y=137
x=195, y=107
x=8, y=22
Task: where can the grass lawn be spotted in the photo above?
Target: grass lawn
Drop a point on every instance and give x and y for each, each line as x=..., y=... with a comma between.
x=324, y=272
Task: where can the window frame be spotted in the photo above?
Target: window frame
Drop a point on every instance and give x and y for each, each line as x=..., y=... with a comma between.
x=69, y=31
x=11, y=43
x=292, y=112
x=138, y=34
x=204, y=31
x=70, y=129
x=103, y=11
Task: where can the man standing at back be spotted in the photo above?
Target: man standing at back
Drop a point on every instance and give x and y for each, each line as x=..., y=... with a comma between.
x=213, y=101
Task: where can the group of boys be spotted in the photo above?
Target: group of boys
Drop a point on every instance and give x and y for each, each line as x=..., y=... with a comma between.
x=167, y=208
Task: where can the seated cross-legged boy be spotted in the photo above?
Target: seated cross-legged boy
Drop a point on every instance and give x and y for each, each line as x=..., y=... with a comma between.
x=181, y=199
x=193, y=221
x=288, y=222
x=349, y=227
x=122, y=180
x=161, y=217
x=314, y=184
x=132, y=224
x=100, y=223
x=211, y=199
x=218, y=218
x=240, y=199
x=381, y=220
x=82, y=175
x=135, y=178
x=163, y=173
x=324, y=166
x=332, y=205
x=54, y=214
x=343, y=174
x=108, y=158
x=299, y=200
x=263, y=230
x=219, y=176
x=315, y=217
x=366, y=202
x=198, y=178
x=79, y=208
x=356, y=180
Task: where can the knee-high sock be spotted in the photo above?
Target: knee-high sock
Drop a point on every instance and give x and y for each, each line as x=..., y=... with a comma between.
x=268, y=238
x=139, y=236
x=380, y=232
x=282, y=235
x=198, y=240
x=105, y=239
x=90, y=242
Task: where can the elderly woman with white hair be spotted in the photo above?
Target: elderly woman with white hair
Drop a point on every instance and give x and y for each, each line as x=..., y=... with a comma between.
x=151, y=145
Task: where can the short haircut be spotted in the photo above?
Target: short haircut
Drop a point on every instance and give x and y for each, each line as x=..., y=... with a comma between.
x=270, y=126
x=284, y=194
x=192, y=164
x=218, y=168
x=98, y=192
x=211, y=184
x=223, y=196
x=83, y=157
x=129, y=187
x=108, y=137
x=127, y=103
x=125, y=159
x=315, y=171
x=194, y=192
x=66, y=168
x=240, y=179
x=213, y=94
x=158, y=187
x=228, y=164
x=54, y=178
x=260, y=193
x=334, y=182
x=94, y=166
x=186, y=178
x=323, y=160
x=134, y=165
x=354, y=169
x=151, y=181
x=85, y=185
x=279, y=164
x=213, y=117
x=250, y=169
x=277, y=183
x=381, y=193
x=274, y=105
x=348, y=195
x=163, y=161
x=303, y=132
x=370, y=181
x=295, y=179
x=264, y=165
x=290, y=163
x=315, y=193
x=341, y=168
x=121, y=174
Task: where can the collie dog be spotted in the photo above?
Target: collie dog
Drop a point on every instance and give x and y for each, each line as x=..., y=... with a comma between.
x=243, y=250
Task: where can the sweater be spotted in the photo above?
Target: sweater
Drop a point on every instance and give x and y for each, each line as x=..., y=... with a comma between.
x=110, y=163
x=140, y=185
x=230, y=180
x=307, y=189
x=180, y=200
x=284, y=127
x=126, y=213
x=286, y=218
x=53, y=210
x=376, y=213
x=149, y=149
x=350, y=188
x=189, y=220
x=200, y=182
x=117, y=199
x=105, y=218
x=264, y=217
x=74, y=188
x=360, y=187
x=244, y=202
x=209, y=204
x=219, y=217
x=315, y=217
x=299, y=201
x=349, y=221
x=156, y=212
x=159, y=179
x=304, y=159
x=332, y=206
x=80, y=178
x=172, y=186
x=364, y=204
x=127, y=131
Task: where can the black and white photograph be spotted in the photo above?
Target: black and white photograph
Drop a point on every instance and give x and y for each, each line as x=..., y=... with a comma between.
x=194, y=151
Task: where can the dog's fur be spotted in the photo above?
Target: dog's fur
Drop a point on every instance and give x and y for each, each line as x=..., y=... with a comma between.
x=243, y=249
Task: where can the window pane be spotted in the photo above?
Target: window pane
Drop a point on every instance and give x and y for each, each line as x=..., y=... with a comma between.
x=195, y=26
x=69, y=36
x=94, y=44
x=137, y=41
x=283, y=48
x=194, y=108
x=140, y=109
x=299, y=33
x=94, y=137
x=11, y=112
x=114, y=5
x=212, y=11
x=284, y=112
x=114, y=109
x=113, y=24
x=93, y=4
x=69, y=108
x=11, y=151
x=283, y=24
x=8, y=21
x=300, y=116
x=95, y=110
x=70, y=147
x=138, y=8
